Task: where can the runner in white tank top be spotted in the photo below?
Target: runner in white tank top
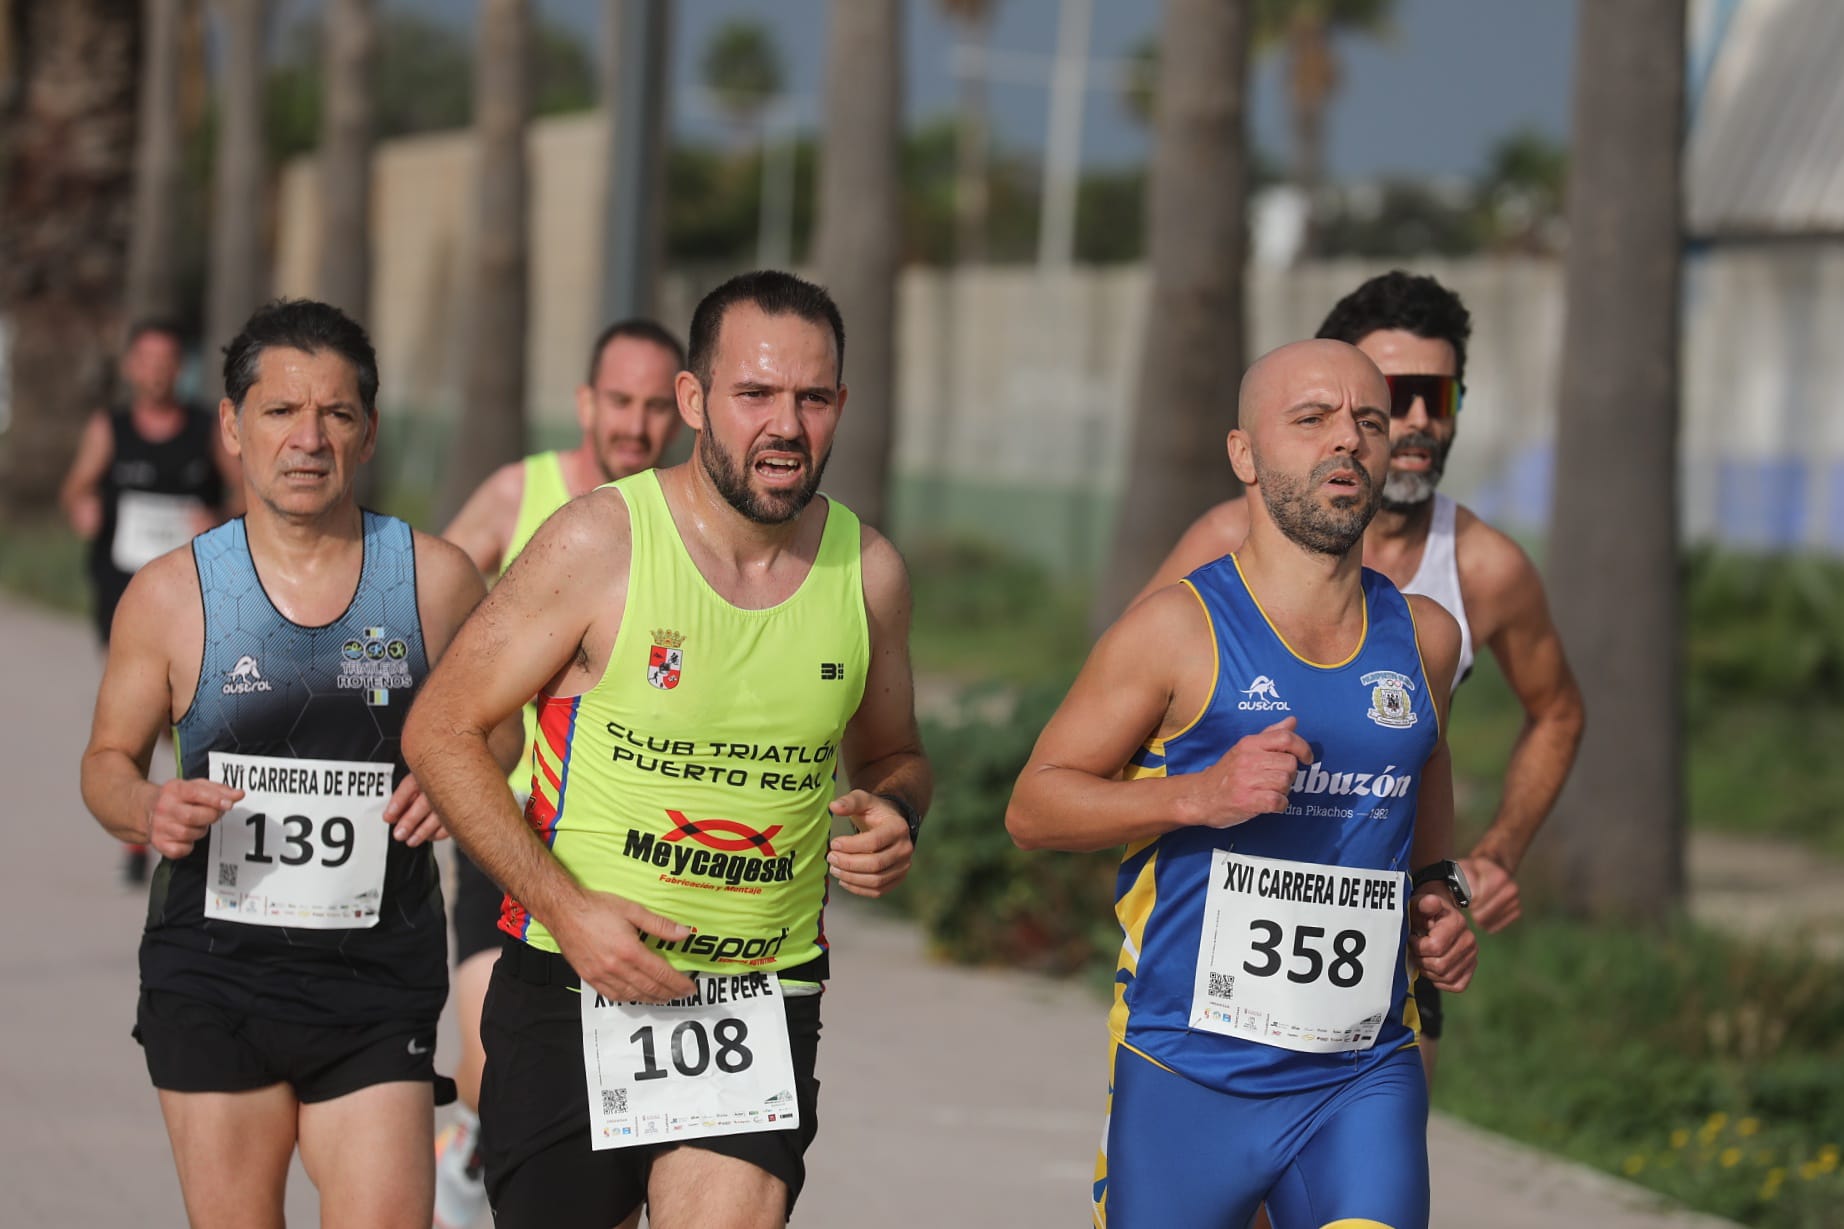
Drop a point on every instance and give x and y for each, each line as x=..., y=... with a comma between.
x=1438, y=577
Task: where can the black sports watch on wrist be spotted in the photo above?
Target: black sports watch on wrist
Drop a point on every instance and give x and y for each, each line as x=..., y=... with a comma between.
x=907, y=810
x=1446, y=871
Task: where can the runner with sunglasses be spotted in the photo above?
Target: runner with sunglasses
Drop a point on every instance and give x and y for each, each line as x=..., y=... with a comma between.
x=1415, y=330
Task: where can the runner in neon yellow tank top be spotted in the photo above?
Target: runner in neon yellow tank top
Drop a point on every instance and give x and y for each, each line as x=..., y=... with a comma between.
x=628, y=415
x=710, y=642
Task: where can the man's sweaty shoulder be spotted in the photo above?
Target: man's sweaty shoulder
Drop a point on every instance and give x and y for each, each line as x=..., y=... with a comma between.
x=483, y=528
x=1498, y=581
x=886, y=576
x=1216, y=533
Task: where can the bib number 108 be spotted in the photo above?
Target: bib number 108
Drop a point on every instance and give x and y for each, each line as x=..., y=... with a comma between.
x=1344, y=970
x=298, y=840
x=692, y=1051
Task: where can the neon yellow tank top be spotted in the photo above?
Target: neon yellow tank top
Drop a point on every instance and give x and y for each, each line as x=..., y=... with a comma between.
x=694, y=777
x=544, y=492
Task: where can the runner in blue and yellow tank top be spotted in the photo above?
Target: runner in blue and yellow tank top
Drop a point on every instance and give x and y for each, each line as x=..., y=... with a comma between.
x=628, y=415
x=1265, y=739
x=714, y=647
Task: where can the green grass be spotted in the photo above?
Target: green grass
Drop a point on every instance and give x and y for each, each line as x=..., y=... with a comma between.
x=1704, y=1068
x=42, y=561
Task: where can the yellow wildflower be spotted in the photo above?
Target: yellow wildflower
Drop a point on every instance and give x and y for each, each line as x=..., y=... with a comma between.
x=1635, y=1164
x=1680, y=1137
x=1730, y=1157
x=1747, y=1127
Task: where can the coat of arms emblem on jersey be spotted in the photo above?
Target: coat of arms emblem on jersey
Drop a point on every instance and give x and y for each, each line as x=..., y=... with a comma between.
x=1389, y=699
x=667, y=659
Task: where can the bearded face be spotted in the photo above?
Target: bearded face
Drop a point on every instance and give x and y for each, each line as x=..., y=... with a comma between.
x=1323, y=518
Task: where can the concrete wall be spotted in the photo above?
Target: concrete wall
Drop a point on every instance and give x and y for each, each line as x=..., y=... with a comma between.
x=1015, y=389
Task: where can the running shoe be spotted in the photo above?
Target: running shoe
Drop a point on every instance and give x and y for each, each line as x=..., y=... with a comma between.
x=460, y=1183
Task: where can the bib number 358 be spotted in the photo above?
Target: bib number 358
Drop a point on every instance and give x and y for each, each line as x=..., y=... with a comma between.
x=1298, y=955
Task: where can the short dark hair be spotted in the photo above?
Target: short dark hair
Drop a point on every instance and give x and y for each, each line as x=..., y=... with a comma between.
x=299, y=324
x=639, y=328
x=777, y=294
x=1400, y=300
x=154, y=324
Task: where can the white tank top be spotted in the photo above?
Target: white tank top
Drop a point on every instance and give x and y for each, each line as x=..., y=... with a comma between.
x=1438, y=577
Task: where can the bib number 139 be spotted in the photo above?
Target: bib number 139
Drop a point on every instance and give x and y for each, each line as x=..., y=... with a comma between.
x=1344, y=969
x=300, y=842
x=694, y=1051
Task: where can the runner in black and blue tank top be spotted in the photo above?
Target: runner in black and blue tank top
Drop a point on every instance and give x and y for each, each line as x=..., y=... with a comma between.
x=1265, y=739
x=294, y=961
x=286, y=696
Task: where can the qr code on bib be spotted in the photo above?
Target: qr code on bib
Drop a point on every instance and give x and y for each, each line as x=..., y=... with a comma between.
x=614, y=1100
x=1222, y=986
x=227, y=874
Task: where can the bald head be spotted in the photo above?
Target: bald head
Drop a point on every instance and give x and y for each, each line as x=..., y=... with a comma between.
x=1312, y=443
x=1313, y=370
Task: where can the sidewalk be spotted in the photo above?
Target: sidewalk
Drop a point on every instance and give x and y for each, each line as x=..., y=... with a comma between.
x=952, y=1096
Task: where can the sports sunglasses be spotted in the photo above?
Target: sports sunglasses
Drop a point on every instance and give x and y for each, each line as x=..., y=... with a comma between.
x=1441, y=394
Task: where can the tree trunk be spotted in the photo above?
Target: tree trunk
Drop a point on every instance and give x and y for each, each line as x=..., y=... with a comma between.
x=1197, y=245
x=1616, y=849
x=66, y=186
x=350, y=38
x=860, y=238
x=1312, y=78
x=237, y=281
x=971, y=179
x=492, y=427
x=345, y=158
x=153, y=243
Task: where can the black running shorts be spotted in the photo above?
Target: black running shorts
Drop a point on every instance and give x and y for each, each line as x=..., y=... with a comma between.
x=476, y=910
x=534, y=1106
x=195, y=1046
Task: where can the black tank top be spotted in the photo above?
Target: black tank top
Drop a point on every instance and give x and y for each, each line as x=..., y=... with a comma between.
x=180, y=466
x=270, y=687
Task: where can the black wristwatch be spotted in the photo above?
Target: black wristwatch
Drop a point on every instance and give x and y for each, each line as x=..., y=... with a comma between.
x=1448, y=872
x=907, y=810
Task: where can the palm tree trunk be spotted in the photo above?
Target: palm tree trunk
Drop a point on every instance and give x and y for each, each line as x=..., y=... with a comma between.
x=860, y=238
x=345, y=157
x=492, y=427
x=153, y=243
x=1312, y=78
x=1616, y=848
x=971, y=180
x=237, y=283
x=1197, y=243
x=66, y=187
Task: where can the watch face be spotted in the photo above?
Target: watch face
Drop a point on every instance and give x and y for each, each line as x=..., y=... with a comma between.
x=1462, y=890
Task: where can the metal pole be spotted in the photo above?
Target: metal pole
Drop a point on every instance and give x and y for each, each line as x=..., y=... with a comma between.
x=634, y=93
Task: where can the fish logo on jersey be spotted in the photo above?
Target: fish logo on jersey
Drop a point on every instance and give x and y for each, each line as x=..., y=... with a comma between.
x=666, y=661
x=1390, y=705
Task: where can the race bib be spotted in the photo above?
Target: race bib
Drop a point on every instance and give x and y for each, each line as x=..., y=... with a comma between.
x=1296, y=954
x=716, y=1063
x=305, y=847
x=147, y=526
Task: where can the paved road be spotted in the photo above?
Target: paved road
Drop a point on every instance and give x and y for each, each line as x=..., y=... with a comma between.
x=952, y=1096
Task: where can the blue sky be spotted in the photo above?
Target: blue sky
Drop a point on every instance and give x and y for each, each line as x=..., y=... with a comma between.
x=1430, y=98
